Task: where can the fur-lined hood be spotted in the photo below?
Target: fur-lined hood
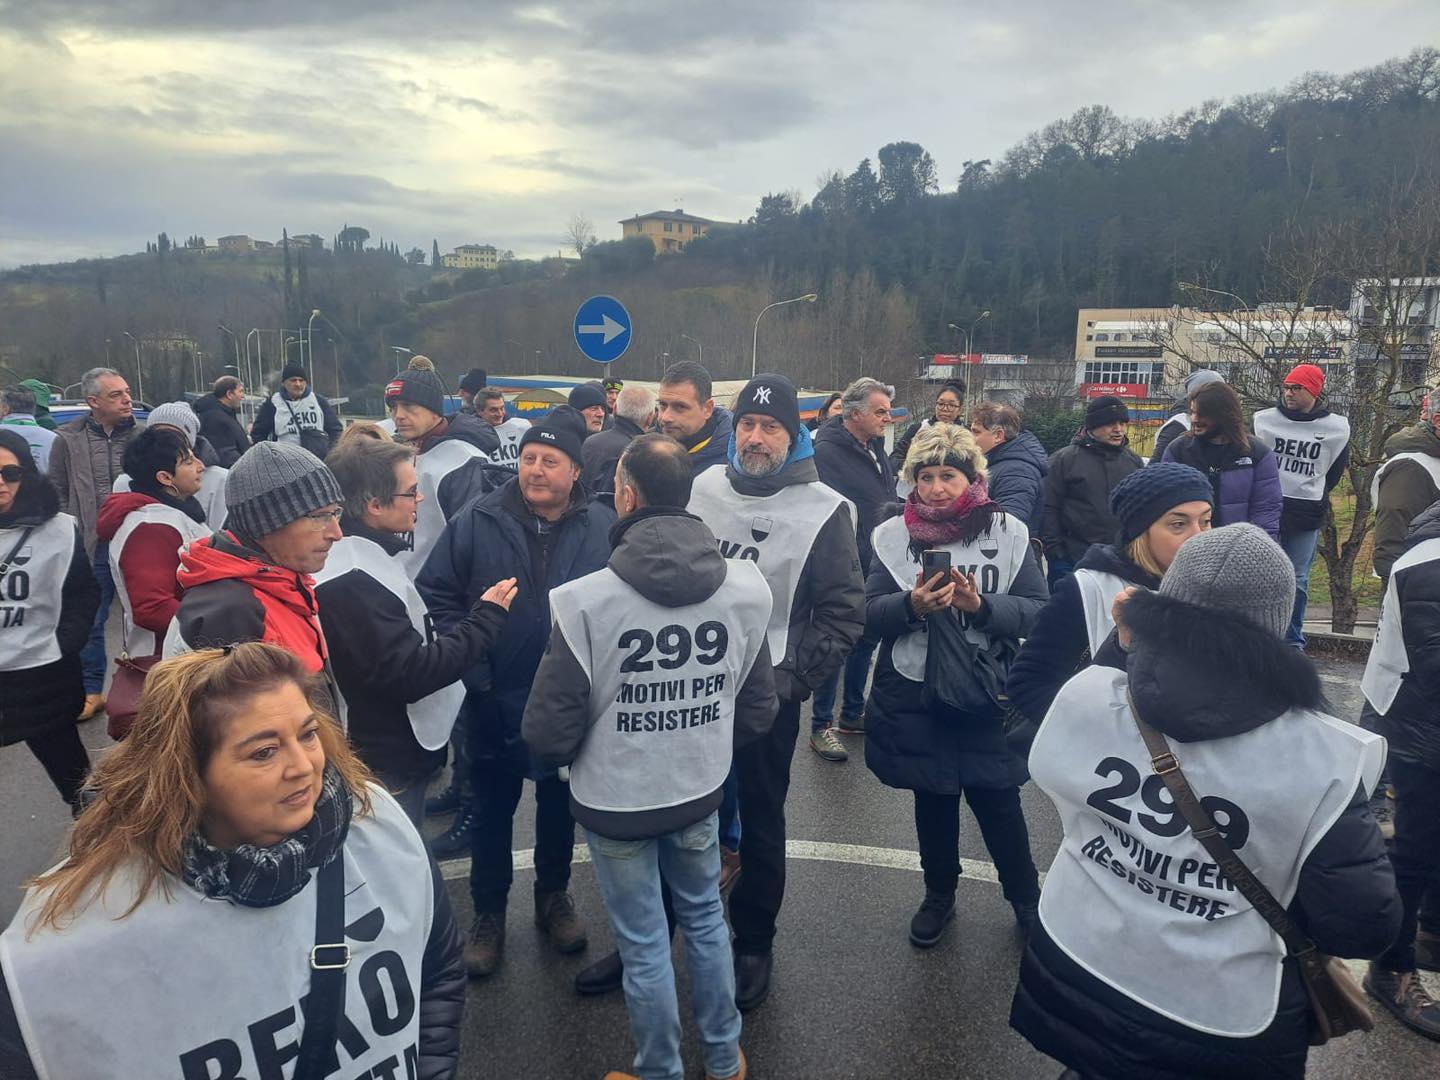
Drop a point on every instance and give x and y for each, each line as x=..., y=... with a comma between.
x=1200, y=673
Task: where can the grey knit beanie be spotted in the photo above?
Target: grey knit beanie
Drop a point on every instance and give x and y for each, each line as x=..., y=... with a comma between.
x=1238, y=569
x=177, y=414
x=1201, y=377
x=275, y=483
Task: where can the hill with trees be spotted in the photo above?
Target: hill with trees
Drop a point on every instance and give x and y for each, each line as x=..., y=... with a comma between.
x=1092, y=210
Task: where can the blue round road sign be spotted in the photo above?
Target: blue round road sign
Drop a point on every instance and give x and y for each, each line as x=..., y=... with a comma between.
x=602, y=329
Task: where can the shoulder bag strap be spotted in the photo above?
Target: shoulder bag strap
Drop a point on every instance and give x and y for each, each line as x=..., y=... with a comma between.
x=1202, y=826
x=293, y=417
x=329, y=958
x=5, y=566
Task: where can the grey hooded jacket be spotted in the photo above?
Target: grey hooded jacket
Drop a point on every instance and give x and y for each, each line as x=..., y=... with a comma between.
x=672, y=559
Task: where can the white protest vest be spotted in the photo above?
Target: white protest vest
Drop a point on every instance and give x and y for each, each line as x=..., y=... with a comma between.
x=508, y=452
x=211, y=495
x=432, y=717
x=30, y=592
x=776, y=532
x=138, y=640
x=1135, y=899
x=1304, y=449
x=1389, y=662
x=994, y=559
x=432, y=467
x=223, y=983
x=1098, y=590
x=1428, y=462
x=662, y=686
x=292, y=417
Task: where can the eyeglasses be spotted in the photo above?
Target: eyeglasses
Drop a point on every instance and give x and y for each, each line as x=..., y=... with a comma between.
x=321, y=518
x=12, y=474
x=413, y=493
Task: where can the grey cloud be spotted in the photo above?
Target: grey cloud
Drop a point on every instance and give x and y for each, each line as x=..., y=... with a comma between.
x=620, y=26
x=559, y=163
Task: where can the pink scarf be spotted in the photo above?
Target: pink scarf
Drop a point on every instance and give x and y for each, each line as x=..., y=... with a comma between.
x=931, y=526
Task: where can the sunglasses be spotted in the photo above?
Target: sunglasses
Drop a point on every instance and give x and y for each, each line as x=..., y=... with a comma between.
x=12, y=474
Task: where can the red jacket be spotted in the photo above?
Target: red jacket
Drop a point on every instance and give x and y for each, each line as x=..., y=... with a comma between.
x=233, y=594
x=148, y=563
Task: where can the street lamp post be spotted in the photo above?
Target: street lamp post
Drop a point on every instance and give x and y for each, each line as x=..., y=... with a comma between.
x=700, y=348
x=519, y=352
x=399, y=350
x=139, y=375
x=808, y=298
x=249, y=369
x=310, y=337
x=969, y=333
x=235, y=341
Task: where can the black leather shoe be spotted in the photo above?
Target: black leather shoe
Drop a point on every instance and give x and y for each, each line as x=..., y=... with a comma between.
x=752, y=979
x=601, y=977
x=928, y=925
x=454, y=842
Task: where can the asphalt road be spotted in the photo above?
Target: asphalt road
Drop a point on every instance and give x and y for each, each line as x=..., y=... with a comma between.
x=850, y=997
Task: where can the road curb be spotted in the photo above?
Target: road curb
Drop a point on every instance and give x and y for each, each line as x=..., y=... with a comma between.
x=1337, y=646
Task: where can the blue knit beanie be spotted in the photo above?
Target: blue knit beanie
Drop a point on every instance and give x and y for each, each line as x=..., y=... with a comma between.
x=1138, y=501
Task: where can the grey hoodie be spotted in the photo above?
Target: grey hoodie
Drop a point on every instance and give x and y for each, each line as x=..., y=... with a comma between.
x=670, y=558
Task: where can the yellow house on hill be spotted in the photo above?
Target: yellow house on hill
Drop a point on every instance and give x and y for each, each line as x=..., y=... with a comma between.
x=668, y=230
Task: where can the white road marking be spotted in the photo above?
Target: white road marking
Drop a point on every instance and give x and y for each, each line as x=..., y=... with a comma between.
x=814, y=850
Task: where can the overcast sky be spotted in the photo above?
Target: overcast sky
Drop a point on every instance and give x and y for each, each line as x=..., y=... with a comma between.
x=491, y=122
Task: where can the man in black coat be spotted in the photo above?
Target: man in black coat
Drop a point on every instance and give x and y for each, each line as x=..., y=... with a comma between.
x=1404, y=667
x=1015, y=460
x=219, y=413
x=1077, y=488
x=634, y=415
x=850, y=457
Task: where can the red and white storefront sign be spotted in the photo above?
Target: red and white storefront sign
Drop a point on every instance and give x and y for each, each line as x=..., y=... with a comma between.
x=1134, y=391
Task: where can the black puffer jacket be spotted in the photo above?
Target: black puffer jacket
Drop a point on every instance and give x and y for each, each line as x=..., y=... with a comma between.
x=222, y=427
x=35, y=700
x=1058, y=645
x=1412, y=723
x=863, y=476
x=1345, y=900
x=1017, y=469
x=908, y=745
x=1077, y=495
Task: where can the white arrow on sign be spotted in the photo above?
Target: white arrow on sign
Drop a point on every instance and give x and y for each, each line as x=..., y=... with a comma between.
x=608, y=326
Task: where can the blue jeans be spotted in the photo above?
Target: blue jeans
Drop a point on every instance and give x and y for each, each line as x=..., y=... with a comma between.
x=730, y=812
x=1300, y=546
x=857, y=671
x=629, y=873
x=1057, y=570
x=92, y=657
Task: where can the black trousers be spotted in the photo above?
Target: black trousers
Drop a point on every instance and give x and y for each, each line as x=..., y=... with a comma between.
x=1002, y=825
x=65, y=759
x=763, y=771
x=1415, y=851
x=497, y=794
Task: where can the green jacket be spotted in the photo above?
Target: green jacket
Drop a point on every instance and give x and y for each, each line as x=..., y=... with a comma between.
x=42, y=395
x=1405, y=490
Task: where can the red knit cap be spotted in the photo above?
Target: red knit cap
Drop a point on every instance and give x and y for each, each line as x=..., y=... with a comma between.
x=1309, y=376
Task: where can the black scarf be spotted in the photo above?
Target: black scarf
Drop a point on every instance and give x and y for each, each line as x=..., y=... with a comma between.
x=189, y=506
x=258, y=877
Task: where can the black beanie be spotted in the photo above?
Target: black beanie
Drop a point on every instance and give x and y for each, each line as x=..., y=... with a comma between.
x=586, y=396
x=293, y=370
x=419, y=387
x=1106, y=409
x=1141, y=498
x=773, y=396
x=474, y=380
x=557, y=431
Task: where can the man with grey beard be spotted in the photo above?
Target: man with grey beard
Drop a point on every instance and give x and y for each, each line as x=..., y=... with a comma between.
x=769, y=506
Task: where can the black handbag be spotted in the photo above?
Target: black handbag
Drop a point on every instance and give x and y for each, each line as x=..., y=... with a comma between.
x=329, y=958
x=959, y=675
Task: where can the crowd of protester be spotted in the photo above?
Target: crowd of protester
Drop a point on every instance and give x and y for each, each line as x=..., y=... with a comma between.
x=628, y=604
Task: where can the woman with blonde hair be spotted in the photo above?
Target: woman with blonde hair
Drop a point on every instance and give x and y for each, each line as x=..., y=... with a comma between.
x=1159, y=508
x=236, y=858
x=364, y=429
x=953, y=587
